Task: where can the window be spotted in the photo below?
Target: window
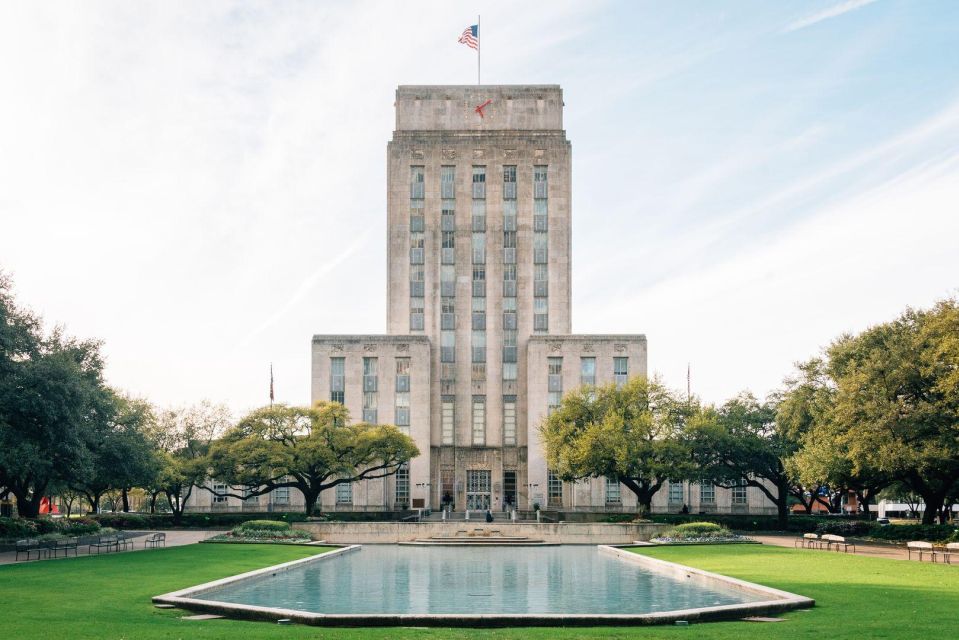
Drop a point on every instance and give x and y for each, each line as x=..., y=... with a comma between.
x=539, y=248
x=539, y=182
x=509, y=215
x=448, y=215
x=479, y=281
x=479, y=420
x=446, y=419
x=448, y=280
x=447, y=313
x=337, y=379
x=509, y=182
x=447, y=182
x=479, y=346
x=540, y=281
x=447, y=346
x=403, y=393
x=281, y=495
x=479, y=182
x=554, y=490
x=417, y=288
x=478, y=371
x=509, y=280
x=707, y=492
x=587, y=371
x=447, y=484
x=369, y=407
x=675, y=492
x=739, y=492
x=509, y=343
x=613, y=495
x=620, y=370
x=509, y=488
x=416, y=314
x=403, y=486
x=249, y=498
x=417, y=179
x=219, y=487
x=509, y=420
x=479, y=215
x=540, y=314
x=509, y=371
x=344, y=493
x=479, y=248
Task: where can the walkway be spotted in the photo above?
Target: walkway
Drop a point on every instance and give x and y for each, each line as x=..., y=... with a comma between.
x=876, y=549
x=173, y=539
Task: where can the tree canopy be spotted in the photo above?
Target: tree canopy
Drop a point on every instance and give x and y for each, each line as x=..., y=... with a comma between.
x=307, y=448
x=633, y=433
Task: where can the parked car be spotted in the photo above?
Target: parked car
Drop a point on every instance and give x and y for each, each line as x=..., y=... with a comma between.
x=882, y=522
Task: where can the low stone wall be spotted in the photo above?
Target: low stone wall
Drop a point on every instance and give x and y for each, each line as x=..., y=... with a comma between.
x=554, y=532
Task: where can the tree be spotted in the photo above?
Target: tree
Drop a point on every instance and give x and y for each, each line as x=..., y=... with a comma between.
x=898, y=396
x=807, y=411
x=182, y=438
x=743, y=445
x=633, y=434
x=121, y=455
x=307, y=448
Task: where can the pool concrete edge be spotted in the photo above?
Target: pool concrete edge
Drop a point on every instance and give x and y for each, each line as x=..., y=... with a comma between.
x=778, y=601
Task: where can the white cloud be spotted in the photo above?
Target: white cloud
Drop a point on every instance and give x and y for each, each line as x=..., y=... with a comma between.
x=826, y=14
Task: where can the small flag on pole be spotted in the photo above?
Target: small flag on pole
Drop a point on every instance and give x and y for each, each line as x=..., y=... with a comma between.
x=271, y=383
x=470, y=36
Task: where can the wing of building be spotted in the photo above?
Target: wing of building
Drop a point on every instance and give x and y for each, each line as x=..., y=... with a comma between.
x=478, y=345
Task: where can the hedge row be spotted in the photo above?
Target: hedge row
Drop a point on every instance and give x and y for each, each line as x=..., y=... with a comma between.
x=189, y=520
x=798, y=524
x=16, y=528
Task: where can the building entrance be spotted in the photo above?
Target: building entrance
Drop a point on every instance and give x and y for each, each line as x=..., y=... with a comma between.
x=478, y=484
x=509, y=490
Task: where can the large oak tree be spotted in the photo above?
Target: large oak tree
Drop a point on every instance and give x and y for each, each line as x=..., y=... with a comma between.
x=311, y=449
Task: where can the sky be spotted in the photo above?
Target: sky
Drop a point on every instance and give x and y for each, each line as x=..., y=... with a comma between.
x=202, y=185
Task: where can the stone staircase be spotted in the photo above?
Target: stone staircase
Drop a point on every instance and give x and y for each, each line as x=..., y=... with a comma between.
x=479, y=536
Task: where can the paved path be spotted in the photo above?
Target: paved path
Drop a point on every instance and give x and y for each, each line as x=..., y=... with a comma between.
x=173, y=539
x=876, y=549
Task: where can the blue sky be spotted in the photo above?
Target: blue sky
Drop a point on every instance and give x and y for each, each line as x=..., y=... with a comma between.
x=202, y=185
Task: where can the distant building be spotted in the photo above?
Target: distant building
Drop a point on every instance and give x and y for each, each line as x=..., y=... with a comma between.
x=479, y=346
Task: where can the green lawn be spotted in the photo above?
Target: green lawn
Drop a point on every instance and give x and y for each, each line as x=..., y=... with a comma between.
x=109, y=597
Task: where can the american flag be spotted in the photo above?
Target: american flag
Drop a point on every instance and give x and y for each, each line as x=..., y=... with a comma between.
x=470, y=36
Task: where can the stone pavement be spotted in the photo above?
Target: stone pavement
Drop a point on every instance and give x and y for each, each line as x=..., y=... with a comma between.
x=173, y=539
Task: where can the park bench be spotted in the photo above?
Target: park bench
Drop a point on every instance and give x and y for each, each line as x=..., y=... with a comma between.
x=155, y=540
x=807, y=541
x=951, y=549
x=66, y=545
x=27, y=547
x=920, y=548
x=106, y=543
x=839, y=542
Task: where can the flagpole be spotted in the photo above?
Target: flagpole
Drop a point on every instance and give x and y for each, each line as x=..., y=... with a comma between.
x=479, y=36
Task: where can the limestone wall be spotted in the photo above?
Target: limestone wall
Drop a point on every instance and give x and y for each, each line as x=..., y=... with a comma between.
x=563, y=533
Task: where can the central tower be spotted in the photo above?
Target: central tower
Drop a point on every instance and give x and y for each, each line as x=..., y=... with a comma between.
x=479, y=261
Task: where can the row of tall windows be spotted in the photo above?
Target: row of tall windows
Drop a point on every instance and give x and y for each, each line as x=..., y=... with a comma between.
x=402, y=404
x=417, y=247
x=554, y=384
x=540, y=251
x=447, y=292
x=370, y=386
x=338, y=380
x=510, y=320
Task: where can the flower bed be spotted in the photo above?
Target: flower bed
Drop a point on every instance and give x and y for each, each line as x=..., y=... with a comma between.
x=699, y=533
x=263, y=531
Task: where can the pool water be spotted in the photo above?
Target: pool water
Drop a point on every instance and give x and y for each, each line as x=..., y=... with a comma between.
x=394, y=579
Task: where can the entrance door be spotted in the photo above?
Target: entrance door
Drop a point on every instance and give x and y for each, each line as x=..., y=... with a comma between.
x=509, y=490
x=478, y=483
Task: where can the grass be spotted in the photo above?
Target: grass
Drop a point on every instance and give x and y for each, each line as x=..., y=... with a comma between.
x=109, y=597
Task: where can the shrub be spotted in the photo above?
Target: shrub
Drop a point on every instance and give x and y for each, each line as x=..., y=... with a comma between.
x=847, y=528
x=265, y=525
x=16, y=528
x=47, y=525
x=906, y=532
x=125, y=521
x=698, y=531
x=79, y=526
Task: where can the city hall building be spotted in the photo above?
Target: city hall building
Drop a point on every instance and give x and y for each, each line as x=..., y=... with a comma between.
x=479, y=346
